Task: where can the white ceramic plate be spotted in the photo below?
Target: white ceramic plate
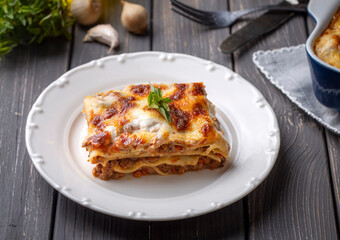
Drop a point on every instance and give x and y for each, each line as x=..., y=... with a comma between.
x=56, y=127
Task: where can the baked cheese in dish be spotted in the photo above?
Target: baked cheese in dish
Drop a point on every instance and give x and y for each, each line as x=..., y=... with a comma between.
x=327, y=46
x=125, y=136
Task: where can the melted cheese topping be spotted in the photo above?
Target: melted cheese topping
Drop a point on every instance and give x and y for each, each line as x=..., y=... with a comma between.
x=327, y=46
x=120, y=125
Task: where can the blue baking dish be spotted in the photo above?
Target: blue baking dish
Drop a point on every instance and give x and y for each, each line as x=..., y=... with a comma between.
x=325, y=77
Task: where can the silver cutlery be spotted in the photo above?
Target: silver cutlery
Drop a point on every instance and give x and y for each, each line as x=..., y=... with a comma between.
x=221, y=19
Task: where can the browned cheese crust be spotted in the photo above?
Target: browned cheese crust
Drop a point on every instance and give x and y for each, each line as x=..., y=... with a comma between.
x=327, y=46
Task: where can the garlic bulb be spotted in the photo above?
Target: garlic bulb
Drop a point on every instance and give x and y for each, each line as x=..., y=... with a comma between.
x=134, y=17
x=86, y=12
x=103, y=33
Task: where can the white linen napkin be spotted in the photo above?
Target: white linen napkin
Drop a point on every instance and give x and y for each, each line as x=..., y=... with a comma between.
x=288, y=70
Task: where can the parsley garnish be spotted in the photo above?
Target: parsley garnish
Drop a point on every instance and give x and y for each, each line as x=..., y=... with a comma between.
x=156, y=101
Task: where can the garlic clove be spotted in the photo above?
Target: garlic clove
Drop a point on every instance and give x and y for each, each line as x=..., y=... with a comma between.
x=134, y=17
x=86, y=12
x=103, y=33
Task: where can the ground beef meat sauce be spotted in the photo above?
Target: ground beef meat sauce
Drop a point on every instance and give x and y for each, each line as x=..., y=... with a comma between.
x=169, y=148
x=107, y=172
x=144, y=171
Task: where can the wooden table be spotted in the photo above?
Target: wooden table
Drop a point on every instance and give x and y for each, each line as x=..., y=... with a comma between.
x=300, y=199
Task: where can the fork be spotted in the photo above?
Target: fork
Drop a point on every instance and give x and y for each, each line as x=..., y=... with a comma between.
x=221, y=19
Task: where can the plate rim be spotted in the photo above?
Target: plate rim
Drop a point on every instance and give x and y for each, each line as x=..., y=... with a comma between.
x=210, y=66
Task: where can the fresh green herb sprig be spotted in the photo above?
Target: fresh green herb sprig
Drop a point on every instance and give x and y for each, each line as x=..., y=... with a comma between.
x=156, y=101
x=31, y=21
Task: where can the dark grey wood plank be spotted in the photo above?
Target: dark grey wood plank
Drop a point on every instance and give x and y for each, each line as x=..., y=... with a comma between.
x=26, y=199
x=333, y=145
x=226, y=223
x=173, y=33
x=73, y=221
x=295, y=202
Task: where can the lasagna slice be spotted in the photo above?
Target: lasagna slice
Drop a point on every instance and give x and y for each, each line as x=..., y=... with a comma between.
x=125, y=136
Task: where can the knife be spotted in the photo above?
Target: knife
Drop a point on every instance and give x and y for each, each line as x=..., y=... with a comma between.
x=257, y=27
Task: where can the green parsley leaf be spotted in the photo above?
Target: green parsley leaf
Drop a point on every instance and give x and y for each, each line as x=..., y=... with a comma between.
x=166, y=100
x=156, y=101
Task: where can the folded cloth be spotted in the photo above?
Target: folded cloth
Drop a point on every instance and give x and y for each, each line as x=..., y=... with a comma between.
x=288, y=70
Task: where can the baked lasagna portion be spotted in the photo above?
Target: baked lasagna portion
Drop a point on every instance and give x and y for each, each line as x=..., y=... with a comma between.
x=125, y=136
x=327, y=46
